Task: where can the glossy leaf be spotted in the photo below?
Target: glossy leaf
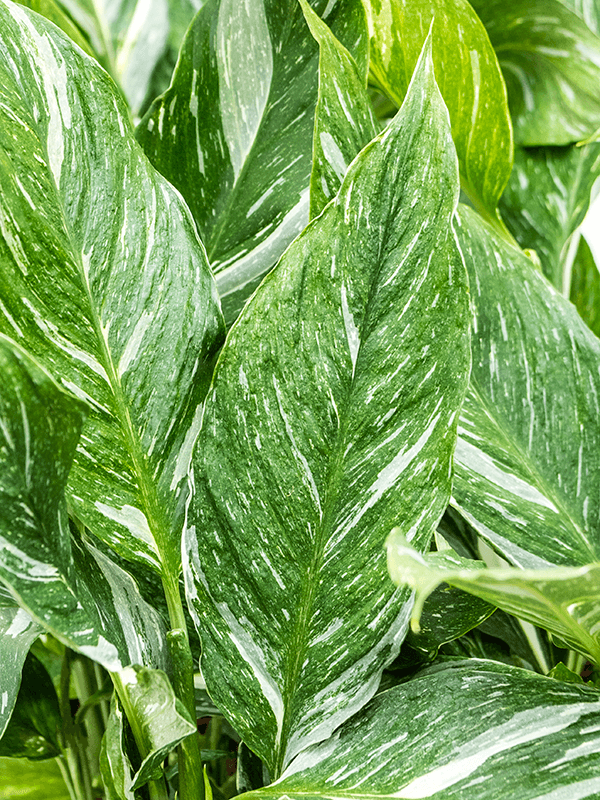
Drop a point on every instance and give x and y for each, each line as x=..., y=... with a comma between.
x=474, y=730
x=20, y=777
x=234, y=131
x=106, y=284
x=469, y=78
x=115, y=766
x=323, y=429
x=550, y=60
x=344, y=121
x=67, y=585
x=585, y=286
x=527, y=465
x=562, y=600
x=54, y=12
x=547, y=198
x=588, y=10
x=18, y=631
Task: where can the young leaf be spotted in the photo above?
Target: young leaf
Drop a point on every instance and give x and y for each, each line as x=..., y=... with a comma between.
x=18, y=631
x=469, y=78
x=551, y=63
x=585, y=286
x=562, y=600
x=468, y=730
x=234, y=131
x=105, y=282
x=331, y=418
x=527, y=462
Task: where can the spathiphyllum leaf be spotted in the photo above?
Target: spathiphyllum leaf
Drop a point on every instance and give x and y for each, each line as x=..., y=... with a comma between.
x=469, y=78
x=18, y=631
x=234, y=131
x=467, y=730
x=344, y=121
x=66, y=584
x=331, y=418
x=551, y=63
x=115, y=766
x=588, y=10
x=585, y=286
x=103, y=279
x=547, y=198
x=54, y=12
x=527, y=465
x=563, y=600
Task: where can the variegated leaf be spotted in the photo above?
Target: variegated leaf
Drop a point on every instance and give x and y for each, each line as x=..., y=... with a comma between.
x=18, y=631
x=331, y=418
x=588, y=10
x=55, y=13
x=105, y=282
x=465, y=730
x=234, y=131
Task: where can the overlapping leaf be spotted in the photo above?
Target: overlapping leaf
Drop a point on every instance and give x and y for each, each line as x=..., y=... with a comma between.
x=551, y=63
x=588, y=10
x=18, y=631
x=331, y=418
x=473, y=730
x=234, y=131
x=527, y=464
x=103, y=279
x=585, y=286
x=469, y=78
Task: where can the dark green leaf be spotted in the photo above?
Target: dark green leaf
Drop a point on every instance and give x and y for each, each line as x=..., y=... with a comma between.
x=585, y=286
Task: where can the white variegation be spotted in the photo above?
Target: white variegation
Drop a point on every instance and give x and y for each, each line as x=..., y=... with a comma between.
x=18, y=631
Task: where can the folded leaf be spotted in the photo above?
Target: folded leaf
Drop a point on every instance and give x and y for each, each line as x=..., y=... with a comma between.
x=106, y=284
x=18, y=631
x=468, y=730
x=585, y=286
x=234, y=131
x=321, y=431
x=115, y=766
x=469, y=78
x=551, y=63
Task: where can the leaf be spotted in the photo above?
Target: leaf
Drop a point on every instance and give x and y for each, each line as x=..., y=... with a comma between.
x=115, y=767
x=17, y=633
x=69, y=587
x=32, y=731
x=588, y=10
x=585, y=286
x=344, y=121
x=563, y=600
x=469, y=78
x=53, y=11
x=551, y=64
x=527, y=467
x=136, y=343
x=474, y=730
x=321, y=431
x=547, y=198
x=562, y=673
x=234, y=131
x=40, y=780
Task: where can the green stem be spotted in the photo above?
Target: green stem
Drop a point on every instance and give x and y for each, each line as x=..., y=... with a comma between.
x=74, y=750
x=86, y=685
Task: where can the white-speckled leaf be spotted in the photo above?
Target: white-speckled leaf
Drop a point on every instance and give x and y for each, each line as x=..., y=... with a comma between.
x=115, y=766
x=234, y=131
x=466, y=730
x=105, y=282
x=66, y=585
x=331, y=418
x=562, y=600
x=527, y=462
x=551, y=64
x=18, y=631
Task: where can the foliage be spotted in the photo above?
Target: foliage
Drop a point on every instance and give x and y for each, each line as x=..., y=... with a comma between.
x=286, y=334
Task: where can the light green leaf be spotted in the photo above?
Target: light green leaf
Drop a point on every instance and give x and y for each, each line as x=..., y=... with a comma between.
x=466, y=730
x=551, y=63
x=331, y=418
x=547, y=198
x=562, y=600
x=115, y=766
x=53, y=11
x=234, y=131
x=31, y=780
x=18, y=631
x=344, y=121
x=585, y=286
x=527, y=462
x=469, y=78
x=588, y=10
x=105, y=282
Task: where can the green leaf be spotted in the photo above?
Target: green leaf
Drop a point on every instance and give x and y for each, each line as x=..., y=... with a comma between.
x=234, y=131
x=469, y=78
x=585, y=286
x=106, y=284
x=344, y=121
x=527, y=462
x=67, y=585
x=35, y=722
x=21, y=778
x=468, y=730
x=18, y=631
x=53, y=11
x=115, y=766
x=588, y=10
x=563, y=600
x=547, y=198
x=331, y=418
x=562, y=673
x=551, y=63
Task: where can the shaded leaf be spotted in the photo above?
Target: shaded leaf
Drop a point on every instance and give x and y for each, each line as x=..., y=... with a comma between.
x=115, y=766
x=234, y=131
x=37, y=780
x=18, y=631
x=331, y=418
x=469, y=78
x=562, y=673
x=585, y=286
